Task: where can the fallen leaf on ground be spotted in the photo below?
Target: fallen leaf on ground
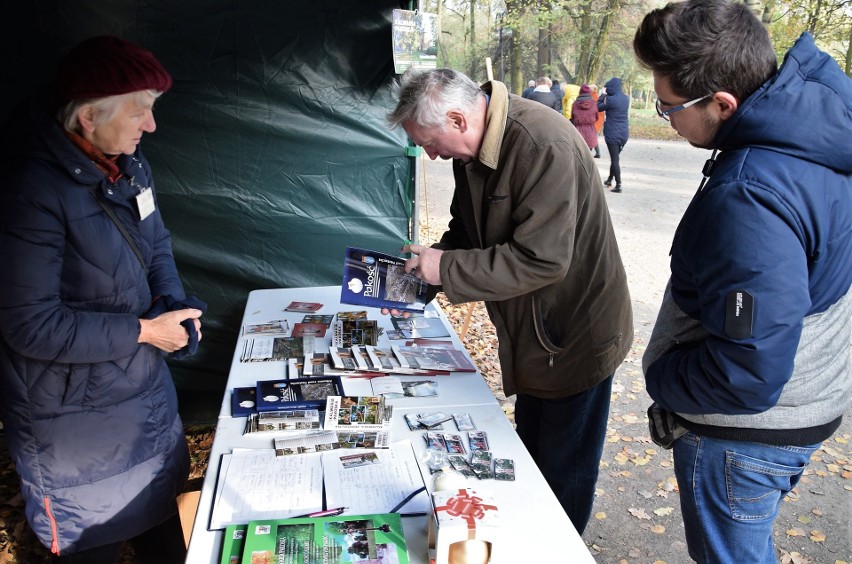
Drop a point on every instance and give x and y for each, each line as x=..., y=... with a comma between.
x=639, y=513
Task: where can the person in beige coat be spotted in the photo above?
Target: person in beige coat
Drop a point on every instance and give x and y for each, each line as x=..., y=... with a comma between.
x=531, y=236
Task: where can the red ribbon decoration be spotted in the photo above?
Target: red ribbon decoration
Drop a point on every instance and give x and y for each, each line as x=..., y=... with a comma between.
x=468, y=508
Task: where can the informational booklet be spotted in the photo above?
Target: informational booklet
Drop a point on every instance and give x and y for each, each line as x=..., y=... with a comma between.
x=384, y=360
x=277, y=327
x=426, y=326
x=351, y=413
x=260, y=349
x=330, y=440
x=377, y=538
x=287, y=422
x=243, y=401
x=233, y=542
x=375, y=279
x=433, y=358
x=300, y=393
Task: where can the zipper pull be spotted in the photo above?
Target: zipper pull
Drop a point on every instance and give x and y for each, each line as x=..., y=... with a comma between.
x=550, y=362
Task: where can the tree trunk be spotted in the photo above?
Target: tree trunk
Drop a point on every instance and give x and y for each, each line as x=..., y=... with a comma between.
x=602, y=41
x=581, y=69
x=473, y=70
x=849, y=54
x=442, y=51
x=541, y=52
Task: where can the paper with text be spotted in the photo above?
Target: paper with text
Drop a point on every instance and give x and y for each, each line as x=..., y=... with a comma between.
x=256, y=484
x=378, y=485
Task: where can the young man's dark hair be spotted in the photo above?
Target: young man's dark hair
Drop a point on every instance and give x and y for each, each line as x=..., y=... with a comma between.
x=704, y=47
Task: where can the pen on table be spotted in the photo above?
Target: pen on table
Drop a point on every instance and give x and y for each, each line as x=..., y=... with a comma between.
x=323, y=513
x=408, y=498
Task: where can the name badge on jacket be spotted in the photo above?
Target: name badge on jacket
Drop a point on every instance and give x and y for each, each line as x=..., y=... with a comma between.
x=145, y=203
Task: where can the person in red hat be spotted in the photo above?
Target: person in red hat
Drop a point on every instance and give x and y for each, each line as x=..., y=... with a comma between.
x=584, y=115
x=90, y=303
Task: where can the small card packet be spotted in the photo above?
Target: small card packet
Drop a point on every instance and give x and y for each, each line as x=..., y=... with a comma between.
x=504, y=469
x=464, y=422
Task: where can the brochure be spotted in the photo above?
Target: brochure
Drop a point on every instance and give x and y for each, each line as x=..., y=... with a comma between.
x=327, y=540
x=375, y=279
x=243, y=401
x=433, y=358
x=260, y=349
x=286, y=422
x=299, y=393
x=350, y=413
x=232, y=544
x=426, y=326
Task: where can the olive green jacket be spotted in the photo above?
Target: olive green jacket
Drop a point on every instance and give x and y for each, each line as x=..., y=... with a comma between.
x=531, y=236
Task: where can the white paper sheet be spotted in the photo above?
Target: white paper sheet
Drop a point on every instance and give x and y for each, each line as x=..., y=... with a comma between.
x=375, y=487
x=256, y=484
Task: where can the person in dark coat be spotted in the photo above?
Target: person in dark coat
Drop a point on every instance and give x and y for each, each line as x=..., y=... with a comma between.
x=544, y=258
x=90, y=303
x=528, y=90
x=556, y=88
x=584, y=115
x=616, y=130
x=543, y=94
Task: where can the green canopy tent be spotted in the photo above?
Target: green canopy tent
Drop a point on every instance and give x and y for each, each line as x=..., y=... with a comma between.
x=271, y=153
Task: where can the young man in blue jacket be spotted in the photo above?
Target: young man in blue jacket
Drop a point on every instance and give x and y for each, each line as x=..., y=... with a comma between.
x=749, y=362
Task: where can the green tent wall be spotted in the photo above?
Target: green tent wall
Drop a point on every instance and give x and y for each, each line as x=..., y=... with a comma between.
x=271, y=152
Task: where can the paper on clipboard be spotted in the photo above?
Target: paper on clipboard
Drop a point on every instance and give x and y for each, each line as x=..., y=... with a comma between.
x=255, y=484
x=374, y=481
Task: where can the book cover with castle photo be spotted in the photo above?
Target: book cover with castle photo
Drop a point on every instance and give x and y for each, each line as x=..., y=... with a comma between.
x=375, y=279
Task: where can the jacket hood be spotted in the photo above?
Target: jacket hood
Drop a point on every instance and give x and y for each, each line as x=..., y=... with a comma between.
x=613, y=86
x=585, y=101
x=804, y=110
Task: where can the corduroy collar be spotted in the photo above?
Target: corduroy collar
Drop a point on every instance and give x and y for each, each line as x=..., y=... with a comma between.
x=495, y=123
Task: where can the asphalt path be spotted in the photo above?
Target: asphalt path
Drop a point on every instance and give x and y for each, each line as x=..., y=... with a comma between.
x=636, y=515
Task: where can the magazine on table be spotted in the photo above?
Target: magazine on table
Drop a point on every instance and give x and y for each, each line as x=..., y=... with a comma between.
x=375, y=279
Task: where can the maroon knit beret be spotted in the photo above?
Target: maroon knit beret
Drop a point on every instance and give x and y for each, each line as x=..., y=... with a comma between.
x=107, y=66
x=585, y=89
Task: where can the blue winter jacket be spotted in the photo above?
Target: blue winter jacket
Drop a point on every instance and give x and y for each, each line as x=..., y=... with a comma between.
x=753, y=340
x=616, y=104
x=90, y=415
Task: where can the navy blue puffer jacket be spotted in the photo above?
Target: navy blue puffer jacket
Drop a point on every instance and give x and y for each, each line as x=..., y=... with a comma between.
x=91, y=415
x=616, y=104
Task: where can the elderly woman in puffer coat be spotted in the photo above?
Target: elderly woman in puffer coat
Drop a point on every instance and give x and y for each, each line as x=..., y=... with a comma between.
x=584, y=115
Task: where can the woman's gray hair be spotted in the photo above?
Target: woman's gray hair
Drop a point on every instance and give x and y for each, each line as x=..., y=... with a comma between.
x=425, y=97
x=105, y=108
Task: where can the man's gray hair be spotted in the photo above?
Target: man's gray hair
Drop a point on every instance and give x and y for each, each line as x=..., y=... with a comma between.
x=425, y=97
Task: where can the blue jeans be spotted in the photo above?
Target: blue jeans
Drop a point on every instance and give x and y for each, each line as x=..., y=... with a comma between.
x=565, y=437
x=730, y=492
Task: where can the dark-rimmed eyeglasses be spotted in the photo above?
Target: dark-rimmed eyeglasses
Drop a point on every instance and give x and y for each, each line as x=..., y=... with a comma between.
x=665, y=114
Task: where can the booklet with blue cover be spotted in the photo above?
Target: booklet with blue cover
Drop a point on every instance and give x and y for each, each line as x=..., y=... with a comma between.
x=375, y=279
